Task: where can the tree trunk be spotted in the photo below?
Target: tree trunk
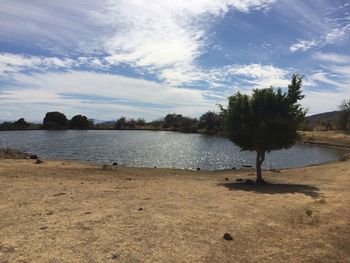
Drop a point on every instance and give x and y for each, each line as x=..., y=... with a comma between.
x=260, y=157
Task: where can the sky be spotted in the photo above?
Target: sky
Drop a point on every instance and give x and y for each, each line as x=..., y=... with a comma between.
x=111, y=58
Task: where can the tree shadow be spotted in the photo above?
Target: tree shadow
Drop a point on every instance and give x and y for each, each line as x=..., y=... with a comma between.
x=271, y=188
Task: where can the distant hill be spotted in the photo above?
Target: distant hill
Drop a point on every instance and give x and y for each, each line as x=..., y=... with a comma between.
x=323, y=121
x=107, y=123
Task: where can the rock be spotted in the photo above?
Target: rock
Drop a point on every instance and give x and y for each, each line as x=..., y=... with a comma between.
x=43, y=228
x=239, y=180
x=345, y=157
x=59, y=194
x=140, y=209
x=115, y=256
x=275, y=170
x=38, y=161
x=33, y=156
x=249, y=182
x=228, y=237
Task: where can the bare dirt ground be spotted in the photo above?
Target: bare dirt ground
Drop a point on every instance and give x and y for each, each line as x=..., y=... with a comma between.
x=74, y=212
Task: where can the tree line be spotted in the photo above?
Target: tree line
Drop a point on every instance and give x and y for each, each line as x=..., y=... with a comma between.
x=209, y=122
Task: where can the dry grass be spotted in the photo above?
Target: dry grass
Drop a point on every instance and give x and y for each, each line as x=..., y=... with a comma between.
x=73, y=212
x=341, y=138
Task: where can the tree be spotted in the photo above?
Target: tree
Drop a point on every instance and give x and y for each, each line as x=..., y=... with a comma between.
x=141, y=122
x=172, y=121
x=120, y=123
x=345, y=114
x=55, y=120
x=80, y=122
x=266, y=121
x=209, y=121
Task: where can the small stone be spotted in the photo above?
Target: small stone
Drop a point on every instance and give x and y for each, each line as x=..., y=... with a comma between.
x=249, y=182
x=226, y=179
x=33, y=156
x=129, y=179
x=228, y=237
x=43, y=228
x=59, y=194
x=38, y=161
x=115, y=256
x=140, y=209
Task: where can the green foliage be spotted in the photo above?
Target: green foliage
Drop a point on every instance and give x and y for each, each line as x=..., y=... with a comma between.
x=20, y=124
x=55, y=120
x=177, y=122
x=266, y=121
x=123, y=123
x=120, y=123
x=344, y=120
x=81, y=122
x=210, y=121
x=140, y=122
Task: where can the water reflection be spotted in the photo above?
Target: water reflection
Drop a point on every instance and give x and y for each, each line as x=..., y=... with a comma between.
x=161, y=149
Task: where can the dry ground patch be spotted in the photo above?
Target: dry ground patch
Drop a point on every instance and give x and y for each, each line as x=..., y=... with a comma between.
x=75, y=212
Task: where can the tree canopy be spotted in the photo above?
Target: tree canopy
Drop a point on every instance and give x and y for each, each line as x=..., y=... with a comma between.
x=81, y=122
x=344, y=120
x=266, y=121
x=210, y=121
x=55, y=120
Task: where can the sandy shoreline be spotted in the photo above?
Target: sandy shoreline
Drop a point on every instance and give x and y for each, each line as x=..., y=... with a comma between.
x=78, y=212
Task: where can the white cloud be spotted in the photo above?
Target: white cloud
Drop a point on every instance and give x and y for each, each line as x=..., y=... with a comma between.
x=332, y=36
x=10, y=63
x=323, y=101
x=164, y=37
x=71, y=89
x=161, y=37
x=332, y=57
x=303, y=45
x=252, y=76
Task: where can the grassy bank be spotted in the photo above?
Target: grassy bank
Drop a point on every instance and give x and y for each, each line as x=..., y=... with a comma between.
x=73, y=212
x=327, y=138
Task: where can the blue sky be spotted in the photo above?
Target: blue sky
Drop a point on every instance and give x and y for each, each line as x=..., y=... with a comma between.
x=134, y=58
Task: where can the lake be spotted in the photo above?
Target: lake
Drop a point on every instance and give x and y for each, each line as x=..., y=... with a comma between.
x=156, y=148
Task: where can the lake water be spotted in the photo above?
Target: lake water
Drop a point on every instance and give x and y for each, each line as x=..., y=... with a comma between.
x=156, y=148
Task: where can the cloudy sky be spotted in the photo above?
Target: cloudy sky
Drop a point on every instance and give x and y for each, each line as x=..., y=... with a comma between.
x=137, y=58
